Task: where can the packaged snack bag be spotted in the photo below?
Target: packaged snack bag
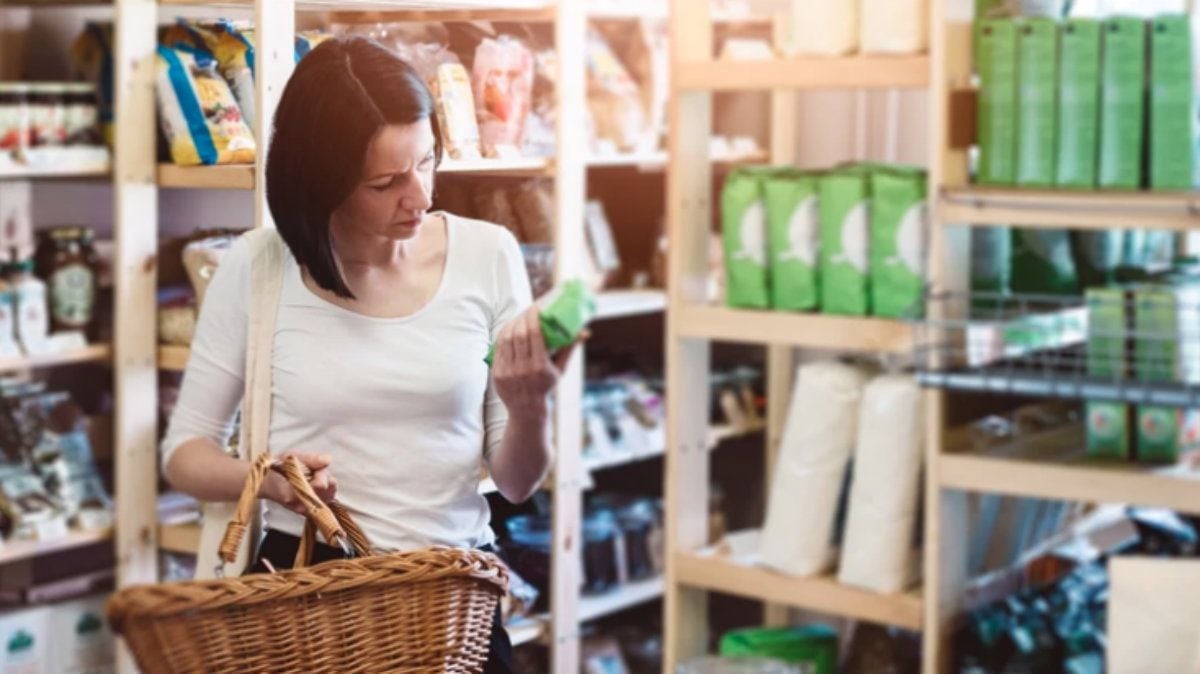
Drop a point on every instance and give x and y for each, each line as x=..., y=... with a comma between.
x=200, y=117
x=564, y=312
x=502, y=80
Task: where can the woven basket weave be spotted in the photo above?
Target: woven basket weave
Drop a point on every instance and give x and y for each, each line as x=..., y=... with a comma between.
x=427, y=611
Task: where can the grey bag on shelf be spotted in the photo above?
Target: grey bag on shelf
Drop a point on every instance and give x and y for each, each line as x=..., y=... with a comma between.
x=266, y=280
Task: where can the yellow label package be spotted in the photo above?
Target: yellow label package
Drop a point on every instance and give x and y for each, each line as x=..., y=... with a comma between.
x=200, y=116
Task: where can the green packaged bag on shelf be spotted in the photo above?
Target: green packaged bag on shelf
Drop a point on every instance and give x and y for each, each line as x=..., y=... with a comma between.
x=1165, y=433
x=991, y=264
x=1037, y=95
x=1109, y=430
x=814, y=647
x=1171, y=101
x=1042, y=262
x=1167, y=350
x=997, y=119
x=1108, y=332
x=899, y=231
x=1122, y=103
x=1078, y=104
x=793, y=239
x=564, y=312
x=844, y=203
x=744, y=235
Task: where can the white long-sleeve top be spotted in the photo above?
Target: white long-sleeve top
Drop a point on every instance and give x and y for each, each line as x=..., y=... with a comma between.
x=404, y=406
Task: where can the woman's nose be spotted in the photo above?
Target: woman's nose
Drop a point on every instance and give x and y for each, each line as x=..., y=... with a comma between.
x=418, y=196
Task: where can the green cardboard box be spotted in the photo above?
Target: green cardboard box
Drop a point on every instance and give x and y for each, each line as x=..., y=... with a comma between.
x=1037, y=98
x=1109, y=430
x=793, y=239
x=845, y=207
x=899, y=232
x=1108, y=332
x=1163, y=433
x=744, y=237
x=1167, y=349
x=1078, y=104
x=1122, y=103
x=1171, y=132
x=997, y=120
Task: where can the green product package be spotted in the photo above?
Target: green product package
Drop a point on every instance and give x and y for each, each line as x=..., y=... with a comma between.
x=1122, y=103
x=814, y=646
x=1042, y=262
x=1037, y=98
x=991, y=264
x=1097, y=256
x=744, y=235
x=1171, y=126
x=997, y=120
x=1109, y=430
x=899, y=231
x=793, y=239
x=1108, y=332
x=564, y=312
x=1166, y=350
x=1078, y=104
x=844, y=203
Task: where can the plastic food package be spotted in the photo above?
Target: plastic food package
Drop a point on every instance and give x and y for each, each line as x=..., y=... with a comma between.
x=92, y=61
x=825, y=27
x=1078, y=104
x=1171, y=152
x=813, y=647
x=845, y=241
x=177, y=325
x=899, y=235
x=601, y=246
x=492, y=204
x=877, y=548
x=563, y=313
x=541, y=134
x=894, y=26
x=642, y=48
x=614, y=100
x=793, y=239
x=233, y=48
x=1123, y=103
x=533, y=204
x=744, y=236
x=502, y=80
x=1042, y=262
x=200, y=117
x=996, y=55
x=451, y=87
x=815, y=449
x=201, y=258
x=1037, y=99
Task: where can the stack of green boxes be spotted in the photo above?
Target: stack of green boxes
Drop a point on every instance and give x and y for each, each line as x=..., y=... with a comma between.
x=849, y=241
x=1149, y=333
x=1084, y=104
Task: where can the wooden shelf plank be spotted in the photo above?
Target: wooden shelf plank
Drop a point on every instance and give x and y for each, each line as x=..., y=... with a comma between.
x=498, y=167
x=232, y=177
x=820, y=593
x=183, y=539
x=1072, y=480
x=624, y=303
x=18, y=551
x=95, y=353
x=852, y=72
x=1078, y=209
x=635, y=593
x=173, y=358
x=716, y=435
x=817, y=331
x=22, y=173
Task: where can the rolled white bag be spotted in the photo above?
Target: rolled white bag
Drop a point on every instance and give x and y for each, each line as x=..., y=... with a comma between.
x=877, y=545
x=824, y=27
x=894, y=26
x=817, y=442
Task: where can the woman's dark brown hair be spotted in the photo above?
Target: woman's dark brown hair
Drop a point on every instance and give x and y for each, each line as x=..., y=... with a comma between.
x=338, y=98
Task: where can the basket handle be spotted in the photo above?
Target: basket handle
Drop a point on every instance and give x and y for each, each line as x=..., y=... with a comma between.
x=318, y=512
x=353, y=533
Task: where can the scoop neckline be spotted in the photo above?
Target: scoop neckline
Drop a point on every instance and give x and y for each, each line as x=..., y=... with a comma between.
x=433, y=299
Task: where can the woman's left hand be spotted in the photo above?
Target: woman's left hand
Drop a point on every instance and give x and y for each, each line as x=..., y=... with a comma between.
x=524, y=372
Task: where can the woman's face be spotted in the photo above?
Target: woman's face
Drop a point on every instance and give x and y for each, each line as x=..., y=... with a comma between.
x=396, y=188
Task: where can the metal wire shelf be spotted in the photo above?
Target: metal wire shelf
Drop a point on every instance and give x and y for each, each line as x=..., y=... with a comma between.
x=1139, y=345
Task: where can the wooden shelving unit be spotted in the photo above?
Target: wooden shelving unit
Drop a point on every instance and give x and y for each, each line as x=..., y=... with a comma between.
x=1076, y=209
x=12, y=552
x=694, y=325
x=96, y=353
x=594, y=607
x=173, y=358
x=625, y=303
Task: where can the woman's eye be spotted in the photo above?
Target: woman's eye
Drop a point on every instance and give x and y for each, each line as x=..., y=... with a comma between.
x=383, y=187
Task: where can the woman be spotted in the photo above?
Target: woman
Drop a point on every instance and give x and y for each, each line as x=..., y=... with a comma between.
x=385, y=315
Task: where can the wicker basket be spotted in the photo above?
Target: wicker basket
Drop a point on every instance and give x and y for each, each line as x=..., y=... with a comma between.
x=427, y=611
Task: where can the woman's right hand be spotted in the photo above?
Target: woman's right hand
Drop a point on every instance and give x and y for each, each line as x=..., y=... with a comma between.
x=276, y=488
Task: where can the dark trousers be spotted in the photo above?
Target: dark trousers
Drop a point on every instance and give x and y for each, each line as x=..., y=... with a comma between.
x=280, y=549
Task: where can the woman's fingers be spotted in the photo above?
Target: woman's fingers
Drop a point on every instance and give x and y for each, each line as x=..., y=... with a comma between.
x=537, y=343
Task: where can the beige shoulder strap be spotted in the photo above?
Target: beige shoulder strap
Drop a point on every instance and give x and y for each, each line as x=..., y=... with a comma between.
x=266, y=280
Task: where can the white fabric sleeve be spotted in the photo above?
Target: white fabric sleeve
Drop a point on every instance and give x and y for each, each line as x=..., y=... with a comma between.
x=213, y=382
x=512, y=296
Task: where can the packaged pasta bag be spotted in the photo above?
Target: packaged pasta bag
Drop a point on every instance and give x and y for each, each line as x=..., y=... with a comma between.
x=563, y=313
x=451, y=87
x=92, y=61
x=199, y=114
x=502, y=81
x=232, y=46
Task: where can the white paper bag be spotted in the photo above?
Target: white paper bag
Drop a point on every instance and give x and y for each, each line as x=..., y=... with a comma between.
x=817, y=442
x=877, y=551
x=824, y=27
x=1153, y=615
x=894, y=26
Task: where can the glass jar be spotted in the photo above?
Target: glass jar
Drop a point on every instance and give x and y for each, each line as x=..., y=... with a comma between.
x=81, y=114
x=67, y=260
x=601, y=563
x=46, y=115
x=14, y=117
